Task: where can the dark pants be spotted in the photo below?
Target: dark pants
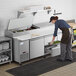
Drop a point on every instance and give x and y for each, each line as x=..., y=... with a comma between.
x=66, y=46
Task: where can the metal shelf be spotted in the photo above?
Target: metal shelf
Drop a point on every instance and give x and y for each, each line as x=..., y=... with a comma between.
x=5, y=62
x=47, y=53
x=7, y=52
x=1, y=51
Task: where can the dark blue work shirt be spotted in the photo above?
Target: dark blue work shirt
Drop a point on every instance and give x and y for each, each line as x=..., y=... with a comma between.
x=60, y=24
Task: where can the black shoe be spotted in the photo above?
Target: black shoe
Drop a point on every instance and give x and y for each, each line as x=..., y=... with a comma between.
x=71, y=60
x=60, y=60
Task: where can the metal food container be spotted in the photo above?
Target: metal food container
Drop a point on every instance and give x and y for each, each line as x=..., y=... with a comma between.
x=3, y=58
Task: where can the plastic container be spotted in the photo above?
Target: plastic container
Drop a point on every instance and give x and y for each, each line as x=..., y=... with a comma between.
x=5, y=45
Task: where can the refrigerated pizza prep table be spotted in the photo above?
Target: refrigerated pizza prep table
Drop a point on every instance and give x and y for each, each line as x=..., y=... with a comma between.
x=29, y=43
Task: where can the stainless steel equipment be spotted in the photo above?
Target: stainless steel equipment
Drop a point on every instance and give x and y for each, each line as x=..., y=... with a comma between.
x=17, y=29
x=36, y=47
x=54, y=50
x=21, y=50
x=21, y=36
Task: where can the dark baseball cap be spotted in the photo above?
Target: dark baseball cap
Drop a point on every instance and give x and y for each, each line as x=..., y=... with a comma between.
x=53, y=18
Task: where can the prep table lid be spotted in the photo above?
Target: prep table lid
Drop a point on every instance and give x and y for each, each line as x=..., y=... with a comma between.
x=18, y=23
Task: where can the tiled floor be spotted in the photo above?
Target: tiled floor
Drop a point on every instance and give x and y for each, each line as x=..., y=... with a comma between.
x=68, y=70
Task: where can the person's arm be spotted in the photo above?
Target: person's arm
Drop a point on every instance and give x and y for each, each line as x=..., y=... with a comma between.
x=55, y=34
x=52, y=40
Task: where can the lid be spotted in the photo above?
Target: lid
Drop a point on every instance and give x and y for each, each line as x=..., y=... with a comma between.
x=18, y=23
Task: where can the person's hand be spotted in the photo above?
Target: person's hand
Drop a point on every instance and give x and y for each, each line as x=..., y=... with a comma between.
x=51, y=43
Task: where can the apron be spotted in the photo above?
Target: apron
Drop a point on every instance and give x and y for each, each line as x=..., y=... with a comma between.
x=66, y=33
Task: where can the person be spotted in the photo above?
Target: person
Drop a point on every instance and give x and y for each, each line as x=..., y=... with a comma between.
x=66, y=41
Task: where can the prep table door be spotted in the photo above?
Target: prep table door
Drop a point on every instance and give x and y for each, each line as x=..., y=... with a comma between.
x=36, y=47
